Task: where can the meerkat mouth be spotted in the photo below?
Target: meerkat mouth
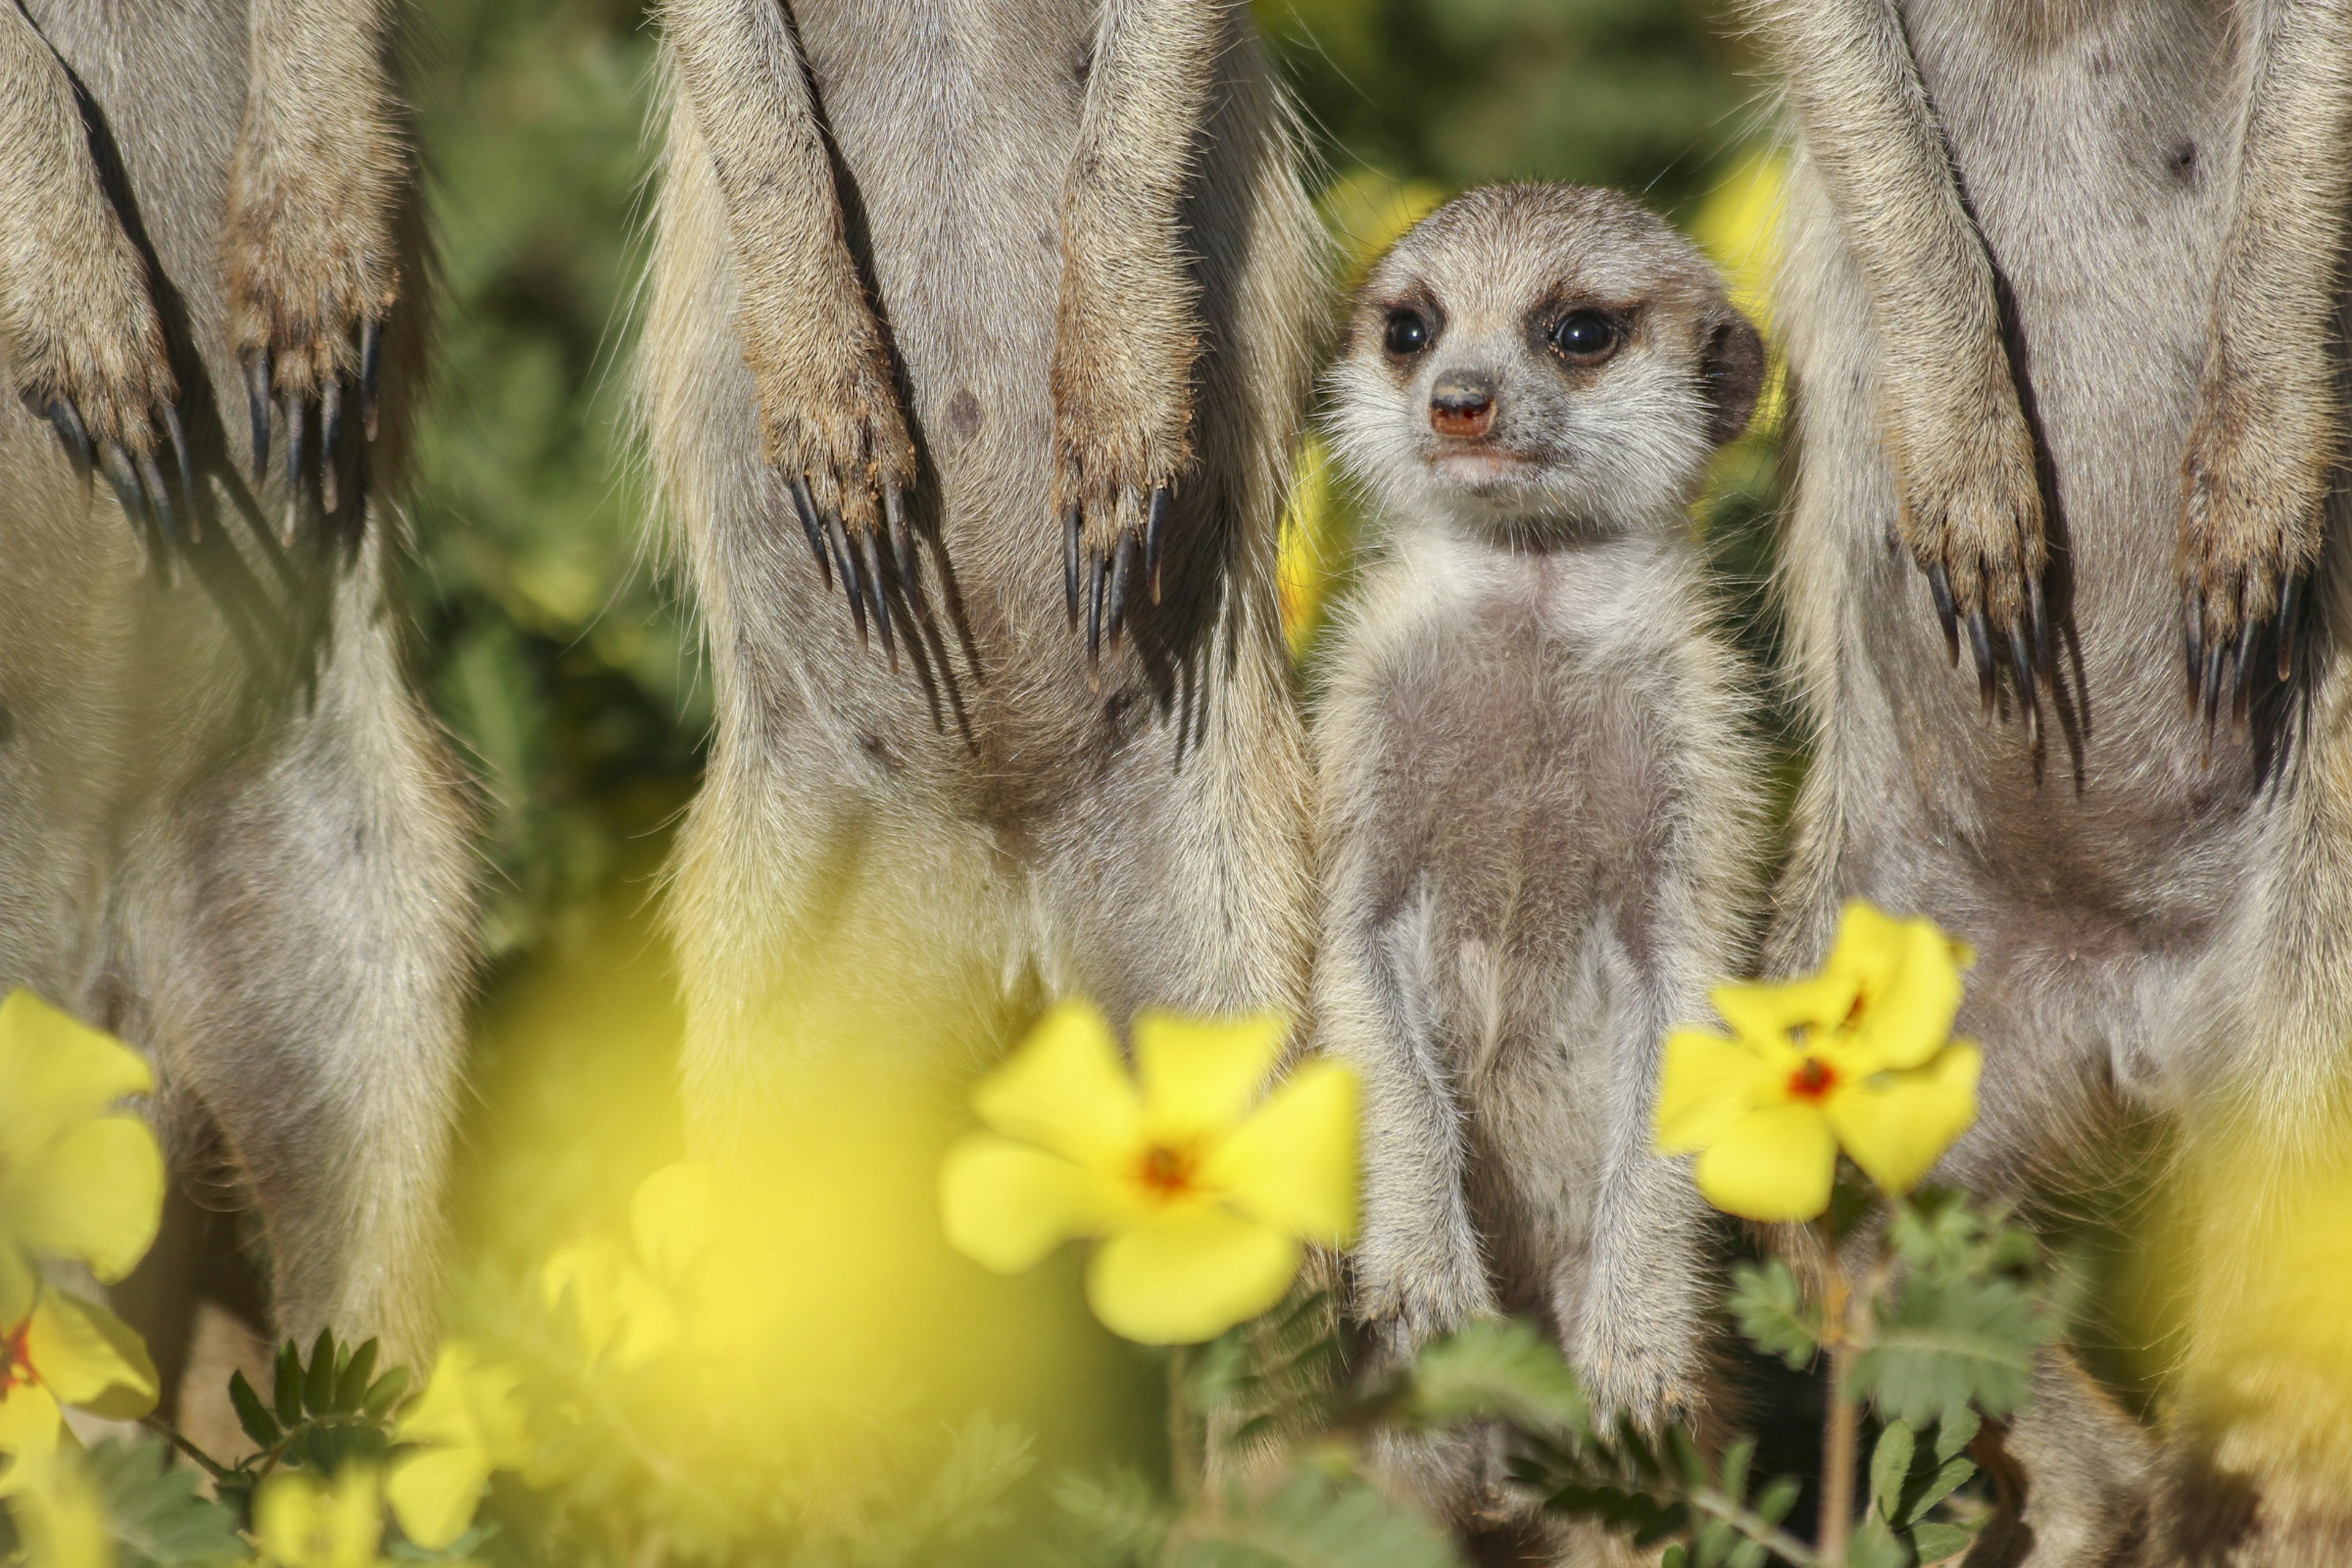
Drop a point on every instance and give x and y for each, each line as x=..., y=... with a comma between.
x=1479, y=466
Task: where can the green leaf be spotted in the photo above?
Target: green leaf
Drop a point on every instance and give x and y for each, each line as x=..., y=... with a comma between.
x=1938, y=1542
x=1772, y=1311
x=1928, y=1490
x=152, y=1510
x=1874, y=1545
x=1890, y=1467
x=1950, y=1342
x=286, y=1389
x=1503, y=1370
x=1314, y=1522
x=351, y=1388
x=385, y=1394
x=319, y=1386
x=1777, y=1497
x=251, y=1414
x=1116, y=1521
x=1951, y=1436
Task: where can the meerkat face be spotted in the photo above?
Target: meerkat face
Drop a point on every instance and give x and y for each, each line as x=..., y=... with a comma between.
x=1542, y=361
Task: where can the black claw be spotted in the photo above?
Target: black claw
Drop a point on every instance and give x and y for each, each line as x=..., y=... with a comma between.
x=1980, y=643
x=115, y=464
x=805, y=505
x=2192, y=643
x=67, y=421
x=2038, y=607
x=902, y=544
x=1095, y=615
x=257, y=402
x=371, y=371
x=2021, y=664
x=2242, y=688
x=179, y=435
x=1122, y=564
x=292, y=412
x=2290, y=603
x=2213, y=684
x=1939, y=588
x=330, y=423
x=843, y=558
x=872, y=544
x=159, y=499
x=1073, y=523
x=1152, y=532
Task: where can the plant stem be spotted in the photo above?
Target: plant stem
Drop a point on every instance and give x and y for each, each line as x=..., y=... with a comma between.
x=1840, y=1422
x=164, y=1429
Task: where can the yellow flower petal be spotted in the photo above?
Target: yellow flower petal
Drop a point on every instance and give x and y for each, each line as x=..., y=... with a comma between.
x=434, y=1493
x=1897, y=1125
x=1709, y=1083
x=1006, y=1204
x=30, y=1423
x=674, y=1218
x=300, y=1523
x=56, y=1070
x=1910, y=982
x=57, y=1511
x=94, y=1191
x=1769, y=1017
x=1770, y=1164
x=469, y=1400
x=18, y=1284
x=1293, y=1165
x=1201, y=1076
x=1064, y=1088
x=1189, y=1276
x=90, y=1358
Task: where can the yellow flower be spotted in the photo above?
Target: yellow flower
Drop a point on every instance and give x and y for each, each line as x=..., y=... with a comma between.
x=76, y=1182
x=1203, y=1200
x=624, y=1301
x=57, y=1511
x=65, y=1352
x=301, y=1521
x=1858, y=1056
x=466, y=1424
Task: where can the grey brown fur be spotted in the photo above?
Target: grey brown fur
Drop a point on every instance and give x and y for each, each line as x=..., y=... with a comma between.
x=2065, y=301
x=227, y=830
x=972, y=262
x=1539, y=789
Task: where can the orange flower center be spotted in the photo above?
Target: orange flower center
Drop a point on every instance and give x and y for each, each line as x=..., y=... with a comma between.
x=1813, y=1079
x=1167, y=1172
x=16, y=1367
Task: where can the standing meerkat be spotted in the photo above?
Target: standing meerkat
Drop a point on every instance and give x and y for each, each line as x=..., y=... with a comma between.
x=227, y=830
x=1541, y=798
x=976, y=346
x=2065, y=303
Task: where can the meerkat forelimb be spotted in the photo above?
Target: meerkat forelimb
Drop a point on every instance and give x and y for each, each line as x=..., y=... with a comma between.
x=1539, y=798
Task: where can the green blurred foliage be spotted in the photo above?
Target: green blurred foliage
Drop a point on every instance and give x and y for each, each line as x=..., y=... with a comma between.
x=552, y=645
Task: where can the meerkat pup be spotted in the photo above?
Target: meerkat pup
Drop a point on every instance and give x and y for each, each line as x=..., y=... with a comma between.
x=1539, y=798
x=228, y=830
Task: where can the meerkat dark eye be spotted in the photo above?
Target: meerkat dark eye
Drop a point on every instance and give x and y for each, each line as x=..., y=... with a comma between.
x=1407, y=333
x=1584, y=334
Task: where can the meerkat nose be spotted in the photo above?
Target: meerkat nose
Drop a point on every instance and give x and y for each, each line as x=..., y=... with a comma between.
x=1462, y=403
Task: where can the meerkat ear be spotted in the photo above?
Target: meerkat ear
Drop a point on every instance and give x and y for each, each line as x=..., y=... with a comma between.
x=1732, y=365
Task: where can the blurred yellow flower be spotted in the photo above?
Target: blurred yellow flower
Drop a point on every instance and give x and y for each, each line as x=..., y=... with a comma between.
x=75, y=1181
x=1858, y=1056
x=301, y=1521
x=625, y=1301
x=57, y=1511
x=468, y=1423
x=1203, y=1202
x=65, y=1352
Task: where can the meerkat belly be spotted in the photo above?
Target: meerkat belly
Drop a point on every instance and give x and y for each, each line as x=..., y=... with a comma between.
x=2099, y=175
x=954, y=126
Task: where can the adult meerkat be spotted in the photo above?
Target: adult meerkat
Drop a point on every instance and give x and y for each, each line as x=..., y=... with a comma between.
x=2065, y=305
x=1540, y=799
x=1008, y=311
x=227, y=832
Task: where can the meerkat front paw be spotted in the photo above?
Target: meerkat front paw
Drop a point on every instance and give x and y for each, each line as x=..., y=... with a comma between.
x=313, y=270
x=1971, y=515
x=1122, y=421
x=2253, y=481
x=831, y=427
x=86, y=352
